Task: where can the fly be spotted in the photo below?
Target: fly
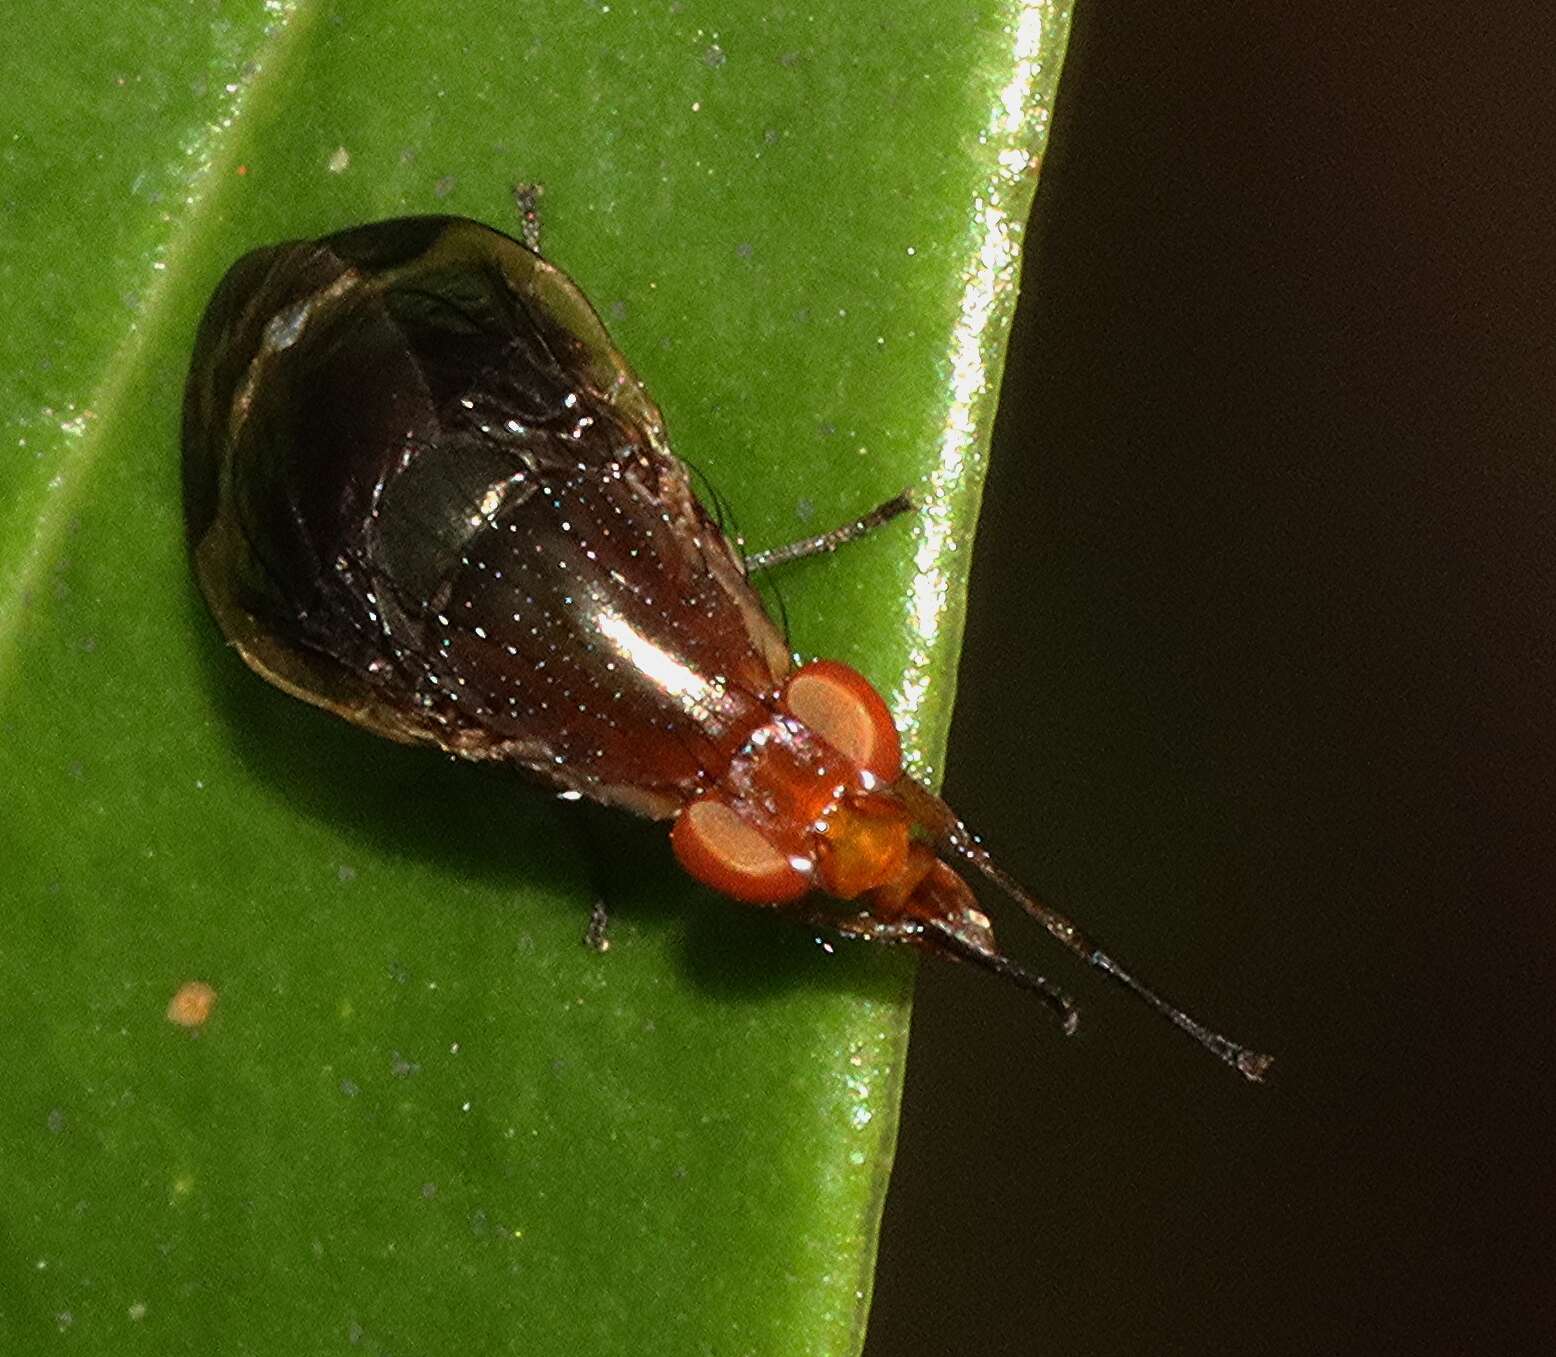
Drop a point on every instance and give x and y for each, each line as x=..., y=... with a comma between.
x=425, y=492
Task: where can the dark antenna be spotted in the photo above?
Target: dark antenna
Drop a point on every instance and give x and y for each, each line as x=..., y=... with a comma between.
x=938, y=935
x=937, y=817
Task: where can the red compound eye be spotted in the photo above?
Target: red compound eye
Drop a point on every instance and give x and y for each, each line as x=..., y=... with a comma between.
x=839, y=704
x=721, y=850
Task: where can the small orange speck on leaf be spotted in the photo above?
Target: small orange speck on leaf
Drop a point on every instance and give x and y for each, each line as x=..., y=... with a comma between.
x=192, y=1005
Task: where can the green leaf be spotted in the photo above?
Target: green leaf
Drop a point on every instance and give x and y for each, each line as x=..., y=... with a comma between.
x=423, y=1117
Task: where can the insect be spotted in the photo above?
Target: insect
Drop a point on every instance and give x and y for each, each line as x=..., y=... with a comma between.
x=425, y=492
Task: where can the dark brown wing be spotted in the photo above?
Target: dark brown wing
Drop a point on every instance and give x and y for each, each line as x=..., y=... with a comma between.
x=425, y=492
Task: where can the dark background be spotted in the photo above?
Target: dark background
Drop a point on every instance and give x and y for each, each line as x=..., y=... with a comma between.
x=1258, y=685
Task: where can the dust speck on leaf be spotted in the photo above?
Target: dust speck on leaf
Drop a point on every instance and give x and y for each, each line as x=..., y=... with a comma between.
x=192, y=1004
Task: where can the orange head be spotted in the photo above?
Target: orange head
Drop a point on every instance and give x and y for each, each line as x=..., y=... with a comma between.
x=816, y=800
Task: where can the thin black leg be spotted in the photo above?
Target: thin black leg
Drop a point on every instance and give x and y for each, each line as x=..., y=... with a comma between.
x=596, y=935
x=830, y=541
x=526, y=197
x=578, y=826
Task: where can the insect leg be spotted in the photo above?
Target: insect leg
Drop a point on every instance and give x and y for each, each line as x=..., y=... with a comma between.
x=831, y=541
x=596, y=934
x=526, y=197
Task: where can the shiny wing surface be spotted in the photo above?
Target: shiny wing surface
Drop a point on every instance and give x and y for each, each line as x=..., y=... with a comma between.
x=427, y=493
